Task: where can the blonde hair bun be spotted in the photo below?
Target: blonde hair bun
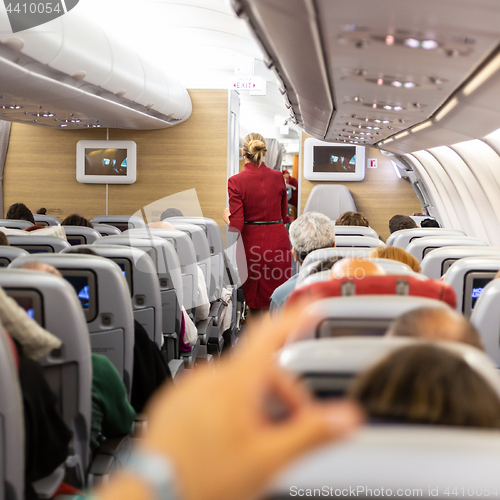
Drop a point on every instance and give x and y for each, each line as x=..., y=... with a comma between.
x=255, y=148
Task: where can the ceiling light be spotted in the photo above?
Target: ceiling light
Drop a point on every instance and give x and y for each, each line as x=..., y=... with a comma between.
x=397, y=108
x=64, y=125
x=402, y=134
x=376, y=128
x=409, y=85
x=389, y=40
x=492, y=67
x=377, y=121
x=387, y=107
x=412, y=43
x=420, y=127
x=429, y=44
x=14, y=106
x=446, y=109
x=388, y=140
x=374, y=105
x=395, y=83
x=369, y=128
x=48, y=115
x=386, y=121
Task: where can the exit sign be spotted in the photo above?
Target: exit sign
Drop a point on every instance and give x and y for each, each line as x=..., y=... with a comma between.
x=248, y=83
x=372, y=162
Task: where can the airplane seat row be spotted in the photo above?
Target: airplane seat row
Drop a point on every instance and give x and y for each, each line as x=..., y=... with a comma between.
x=404, y=237
x=121, y=222
x=357, y=242
x=355, y=231
x=330, y=199
x=46, y=220
x=420, y=247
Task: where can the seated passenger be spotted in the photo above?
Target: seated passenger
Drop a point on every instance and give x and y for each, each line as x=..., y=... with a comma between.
x=311, y=231
x=352, y=219
x=355, y=268
x=429, y=223
x=20, y=211
x=431, y=323
x=112, y=414
x=396, y=253
x=3, y=240
x=426, y=384
x=41, y=211
x=398, y=222
x=76, y=220
x=171, y=212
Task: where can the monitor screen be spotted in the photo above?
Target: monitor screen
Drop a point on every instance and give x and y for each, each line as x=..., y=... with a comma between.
x=84, y=283
x=30, y=300
x=119, y=225
x=81, y=286
x=76, y=240
x=126, y=267
x=474, y=283
x=446, y=265
x=105, y=161
x=478, y=285
x=334, y=159
x=36, y=248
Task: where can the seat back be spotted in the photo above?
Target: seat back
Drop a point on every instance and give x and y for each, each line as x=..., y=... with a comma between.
x=8, y=254
x=355, y=231
x=81, y=235
x=330, y=199
x=359, y=315
x=394, y=460
x=106, y=229
x=436, y=263
x=140, y=273
x=186, y=253
x=358, y=242
x=202, y=249
x=105, y=299
x=46, y=220
x=486, y=318
x=216, y=248
x=11, y=427
x=52, y=302
x=420, y=247
x=122, y=222
x=393, y=285
x=38, y=244
x=168, y=271
x=404, y=237
x=15, y=223
x=334, y=254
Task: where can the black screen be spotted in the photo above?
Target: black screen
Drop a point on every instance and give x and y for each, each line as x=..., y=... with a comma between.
x=81, y=286
x=27, y=304
x=478, y=285
x=334, y=159
x=105, y=162
x=76, y=240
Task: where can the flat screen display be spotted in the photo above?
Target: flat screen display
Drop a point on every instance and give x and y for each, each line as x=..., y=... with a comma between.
x=84, y=283
x=105, y=161
x=76, y=240
x=30, y=300
x=478, y=285
x=334, y=159
x=126, y=267
x=81, y=286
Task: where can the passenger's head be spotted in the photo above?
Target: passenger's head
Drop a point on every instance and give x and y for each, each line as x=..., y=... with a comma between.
x=160, y=225
x=3, y=240
x=20, y=211
x=429, y=223
x=401, y=222
x=76, y=220
x=396, y=253
x=432, y=323
x=352, y=219
x=311, y=231
x=42, y=211
x=171, y=212
x=81, y=250
x=356, y=268
x=42, y=267
x=254, y=148
x=286, y=174
x=426, y=384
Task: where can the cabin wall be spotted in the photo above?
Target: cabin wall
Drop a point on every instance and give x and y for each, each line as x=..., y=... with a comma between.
x=379, y=196
x=40, y=168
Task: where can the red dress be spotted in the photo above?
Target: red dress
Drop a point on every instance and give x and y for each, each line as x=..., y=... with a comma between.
x=259, y=194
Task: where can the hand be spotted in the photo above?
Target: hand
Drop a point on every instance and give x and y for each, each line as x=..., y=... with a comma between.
x=225, y=215
x=217, y=426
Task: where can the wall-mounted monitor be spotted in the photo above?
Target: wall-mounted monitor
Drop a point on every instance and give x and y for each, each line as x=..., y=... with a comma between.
x=327, y=161
x=106, y=162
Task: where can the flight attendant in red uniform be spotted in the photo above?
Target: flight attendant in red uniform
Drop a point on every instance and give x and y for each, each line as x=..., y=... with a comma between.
x=258, y=210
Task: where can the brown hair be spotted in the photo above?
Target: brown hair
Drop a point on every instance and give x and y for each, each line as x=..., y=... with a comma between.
x=76, y=220
x=3, y=239
x=427, y=384
x=399, y=222
x=396, y=253
x=254, y=147
x=20, y=211
x=352, y=219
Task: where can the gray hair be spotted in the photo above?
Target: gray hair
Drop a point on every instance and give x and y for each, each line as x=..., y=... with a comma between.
x=311, y=231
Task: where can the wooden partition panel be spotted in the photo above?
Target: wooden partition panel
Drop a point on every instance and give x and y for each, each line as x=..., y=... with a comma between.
x=379, y=196
x=40, y=169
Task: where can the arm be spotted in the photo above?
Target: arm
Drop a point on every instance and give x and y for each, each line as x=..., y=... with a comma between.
x=236, y=209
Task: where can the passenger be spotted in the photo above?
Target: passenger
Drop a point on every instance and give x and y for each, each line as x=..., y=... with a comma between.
x=258, y=210
x=356, y=268
x=429, y=223
x=311, y=231
x=112, y=415
x=431, y=323
x=76, y=220
x=42, y=211
x=427, y=384
x=401, y=222
x=3, y=240
x=292, y=181
x=20, y=211
x=352, y=219
x=396, y=253
x=235, y=435
x=171, y=212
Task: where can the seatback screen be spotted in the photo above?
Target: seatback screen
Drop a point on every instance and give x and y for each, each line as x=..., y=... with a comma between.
x=85, y=284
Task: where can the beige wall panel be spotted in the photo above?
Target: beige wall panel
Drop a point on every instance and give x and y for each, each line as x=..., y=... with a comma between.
x=379, y=196
x=40, y=167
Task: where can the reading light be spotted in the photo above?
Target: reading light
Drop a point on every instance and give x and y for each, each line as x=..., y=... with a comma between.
x=374, y=105
x=397, y=108
x=377, y=121
x=447, y=109
x=388, y=140
x=412, y=43
x=429, y=44
x=387, y=107
x=492, y=67
x=386, y=121
x=420, y=127
x=395, y=83
x=376, y=128
x=64, y=125
x=409, y=85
